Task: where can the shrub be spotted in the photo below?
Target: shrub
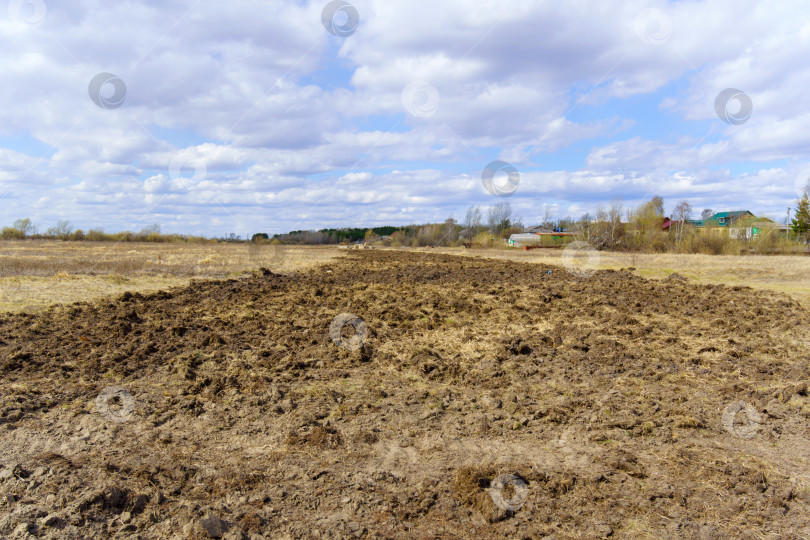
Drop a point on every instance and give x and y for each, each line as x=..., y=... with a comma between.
x=10, y=233
x=95, y=235
x=711, y=242
x=768, y=241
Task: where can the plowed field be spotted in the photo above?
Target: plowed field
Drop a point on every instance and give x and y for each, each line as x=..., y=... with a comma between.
x=468, y=398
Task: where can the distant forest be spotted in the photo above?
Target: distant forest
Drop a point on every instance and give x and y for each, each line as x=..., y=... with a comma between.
x=335, y=236
x=644, y=228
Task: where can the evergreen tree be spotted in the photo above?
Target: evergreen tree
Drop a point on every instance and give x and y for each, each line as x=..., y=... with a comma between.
x=801, y=223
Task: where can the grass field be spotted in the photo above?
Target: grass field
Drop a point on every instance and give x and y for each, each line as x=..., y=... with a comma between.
x=35, y=274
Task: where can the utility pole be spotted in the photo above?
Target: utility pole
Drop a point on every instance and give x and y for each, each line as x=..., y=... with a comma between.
x=787, y=229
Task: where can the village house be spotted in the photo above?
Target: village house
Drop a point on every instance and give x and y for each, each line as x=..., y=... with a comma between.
x=740, y=224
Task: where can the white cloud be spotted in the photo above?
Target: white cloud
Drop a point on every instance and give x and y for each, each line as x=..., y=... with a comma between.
x=296, y=128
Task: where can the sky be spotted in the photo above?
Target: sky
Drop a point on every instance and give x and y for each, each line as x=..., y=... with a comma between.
x=212, y=117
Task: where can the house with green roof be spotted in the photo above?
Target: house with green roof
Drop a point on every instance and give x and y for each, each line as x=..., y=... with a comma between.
x=727, y=219
x=740, y=224
x=719, y=219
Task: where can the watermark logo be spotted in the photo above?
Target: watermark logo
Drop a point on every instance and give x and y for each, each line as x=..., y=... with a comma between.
x=726, y=113
x=187, y=160
x=580, y=259
x=27, y=13
x=420, y=98
x=115, y=404
x=337, y=331
x=500, y=179
x=741, y=420
x=99, y=90
x=518, y=498
x=398, y=459
x=653, y=26
x=340, y=18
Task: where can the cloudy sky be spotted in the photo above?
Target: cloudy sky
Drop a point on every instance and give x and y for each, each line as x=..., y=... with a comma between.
x=212, y=117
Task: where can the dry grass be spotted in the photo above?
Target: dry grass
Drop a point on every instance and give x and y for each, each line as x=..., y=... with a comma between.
x=48, y=258
x=35, y=274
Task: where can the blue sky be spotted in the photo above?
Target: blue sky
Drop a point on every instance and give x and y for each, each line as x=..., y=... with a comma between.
x=247, y=116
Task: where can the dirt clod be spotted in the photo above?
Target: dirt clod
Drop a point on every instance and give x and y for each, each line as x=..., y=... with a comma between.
x=214, y=526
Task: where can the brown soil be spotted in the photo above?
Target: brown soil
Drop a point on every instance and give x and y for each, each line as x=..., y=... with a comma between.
x=603, y=397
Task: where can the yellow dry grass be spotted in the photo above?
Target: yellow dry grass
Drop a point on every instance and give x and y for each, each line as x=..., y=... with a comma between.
x=36, y=274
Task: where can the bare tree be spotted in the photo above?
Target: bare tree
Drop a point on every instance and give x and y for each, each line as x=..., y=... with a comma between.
x=614, y=215
x=450, y=231
x=499, y=218
x=151, y=229
x=682, y=212
x=706, y=214
x=584, y=226
x=600, y=237
x=370, y=236
x=546, y=216
x=472, y=222
x=25, y=227
x=62, y=230
x=657, y=203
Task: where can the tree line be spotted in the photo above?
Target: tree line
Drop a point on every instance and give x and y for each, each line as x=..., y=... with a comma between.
x=63, y=230
x=500, y=222
x=615, y=226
